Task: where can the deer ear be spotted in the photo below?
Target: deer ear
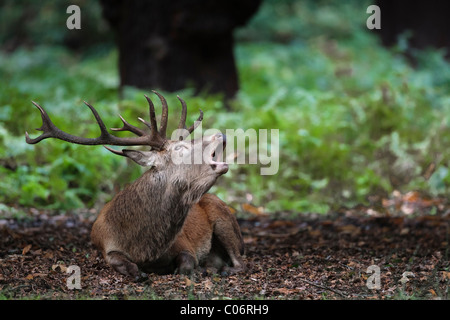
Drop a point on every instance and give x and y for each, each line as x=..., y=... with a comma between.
x=142, y=158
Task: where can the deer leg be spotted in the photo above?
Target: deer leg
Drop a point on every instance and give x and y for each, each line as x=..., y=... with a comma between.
x=122, y=264
x=185, y=262
x=237, y=264
x=228, y=245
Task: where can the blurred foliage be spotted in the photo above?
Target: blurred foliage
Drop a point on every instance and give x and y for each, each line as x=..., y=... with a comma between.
x=355, y=119
x=27, y=23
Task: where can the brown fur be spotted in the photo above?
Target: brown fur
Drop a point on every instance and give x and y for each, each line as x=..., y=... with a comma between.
x=210, y=237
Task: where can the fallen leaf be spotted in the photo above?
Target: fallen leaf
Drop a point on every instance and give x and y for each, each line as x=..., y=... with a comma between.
x=286, y=291
x=315, y=233
x=349, y=229
x=407, y=208
x=36, y=252
x=445, y=275
x=207, y=284
x=387, y=202
x=404, y=231
x=188, y=282
x=61, y=267
x=48, y=254
x=39, y=275
x=429, y=171
x=280, y=224
x=252, y=209
x=26, y=249
x=412, y=196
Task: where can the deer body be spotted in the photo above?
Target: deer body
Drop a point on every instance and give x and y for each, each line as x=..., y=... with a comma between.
x=164, y=218
x=144, y=220
x=210, y=237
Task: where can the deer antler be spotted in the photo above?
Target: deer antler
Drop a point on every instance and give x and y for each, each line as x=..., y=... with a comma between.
x=182, y=123
x=156, y=139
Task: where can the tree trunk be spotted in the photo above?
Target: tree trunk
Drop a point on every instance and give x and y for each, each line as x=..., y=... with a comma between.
x=428, y=21
x=173, y=44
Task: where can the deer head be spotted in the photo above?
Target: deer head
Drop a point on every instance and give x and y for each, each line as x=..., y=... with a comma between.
x=176, y=157
x=142, y=220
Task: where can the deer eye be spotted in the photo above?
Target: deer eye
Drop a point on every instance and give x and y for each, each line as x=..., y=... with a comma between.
x=179, y=147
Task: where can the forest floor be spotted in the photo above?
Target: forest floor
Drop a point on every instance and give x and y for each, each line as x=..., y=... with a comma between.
x=403, y=243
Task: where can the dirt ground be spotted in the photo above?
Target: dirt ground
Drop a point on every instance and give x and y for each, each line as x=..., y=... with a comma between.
x=338, y=256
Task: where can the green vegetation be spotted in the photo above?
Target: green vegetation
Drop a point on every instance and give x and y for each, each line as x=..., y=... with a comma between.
x=355, y=118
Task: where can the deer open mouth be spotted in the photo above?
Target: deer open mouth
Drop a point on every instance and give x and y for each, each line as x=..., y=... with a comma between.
x=216, y=162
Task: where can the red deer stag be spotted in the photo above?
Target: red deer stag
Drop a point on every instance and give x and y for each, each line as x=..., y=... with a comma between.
x=162, y=222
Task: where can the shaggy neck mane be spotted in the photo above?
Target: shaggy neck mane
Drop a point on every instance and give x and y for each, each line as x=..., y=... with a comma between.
x=151, y=205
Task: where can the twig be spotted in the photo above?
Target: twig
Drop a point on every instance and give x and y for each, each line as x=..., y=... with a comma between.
x=276, y=235
x=342, y=294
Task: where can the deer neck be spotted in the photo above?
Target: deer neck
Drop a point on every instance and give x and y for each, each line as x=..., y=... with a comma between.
x=153, y=211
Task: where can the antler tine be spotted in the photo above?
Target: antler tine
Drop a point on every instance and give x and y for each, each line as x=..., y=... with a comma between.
x=119, y=153
x=148, y=124
x=47, y=125
x=152, y=125
x=196, y=123
x=104, y=131
x=46, y=122
x=128, y=127
x=182, y=123
x=164, y=114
